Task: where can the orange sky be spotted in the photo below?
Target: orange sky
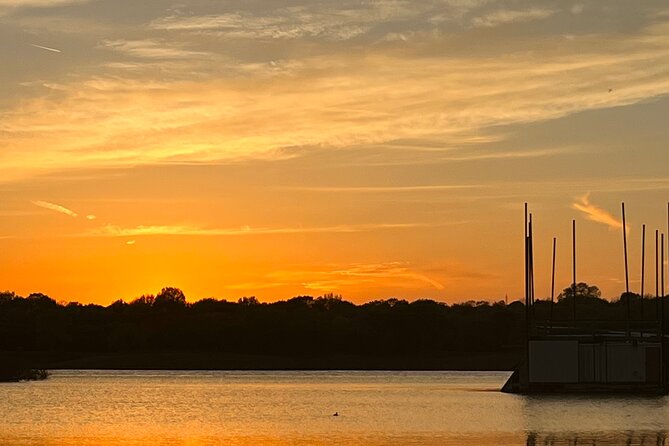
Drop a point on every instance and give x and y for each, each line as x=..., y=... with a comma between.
x=372, y=149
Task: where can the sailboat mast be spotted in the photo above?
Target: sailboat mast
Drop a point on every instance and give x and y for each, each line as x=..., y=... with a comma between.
x=553, y=280
x=627, y=279
x=573, y=272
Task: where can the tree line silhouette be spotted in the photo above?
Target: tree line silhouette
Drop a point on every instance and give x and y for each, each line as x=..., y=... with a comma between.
x=302, y=326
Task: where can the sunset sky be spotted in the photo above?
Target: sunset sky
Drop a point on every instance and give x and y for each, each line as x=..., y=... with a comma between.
x=370, y=148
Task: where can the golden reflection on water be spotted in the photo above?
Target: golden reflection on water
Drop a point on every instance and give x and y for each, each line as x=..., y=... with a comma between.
x=94, y=408
x=353, y=440
x=478, y=439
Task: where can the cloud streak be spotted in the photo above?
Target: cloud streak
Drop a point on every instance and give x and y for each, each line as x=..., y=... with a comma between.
x=182, y=230
x=595, y=213
x=9, y=6
x=346, y=20
x=152, y=49
x=388, y=271
x=503, y=17
x=173, y=94
x=37, y=3
x=124, y=122
x=384, y=189
x=337, y=278
x=55, y=207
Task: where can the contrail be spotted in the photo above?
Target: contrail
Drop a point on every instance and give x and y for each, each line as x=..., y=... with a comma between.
x=53, y=50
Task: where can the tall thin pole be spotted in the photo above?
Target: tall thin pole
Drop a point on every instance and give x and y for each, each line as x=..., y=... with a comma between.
x=657, y=275
x=553, y=281
x=531, y=238
x=657, y=304
x=527, y=300
x=662, y=357
x=573, y=250
x=525, y=219
x=643, y=264
x=527, y=293
x=627, y=280
x=662, y=285
x=662, y=297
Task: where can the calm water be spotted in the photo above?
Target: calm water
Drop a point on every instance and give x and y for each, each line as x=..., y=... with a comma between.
x=295, y=408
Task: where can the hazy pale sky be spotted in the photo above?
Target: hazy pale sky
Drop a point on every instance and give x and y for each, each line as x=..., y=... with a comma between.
x=372, y=148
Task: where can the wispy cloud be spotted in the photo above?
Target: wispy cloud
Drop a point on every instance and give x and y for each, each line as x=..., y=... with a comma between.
x=155, y=122
x=509, y=154
x=153, y=230
x=503, y=17
x=55, y=207
x=7, y=6
x=342, y=22
x=385, y=271
x=39, y=3
x=153, y=49
x=19, y=3
x=283, y=25
x=342, y=278
x=256, y=285
x=383, y=189
x=595, y=213
x=326, y=95
x=577, y=9
x=336, y=278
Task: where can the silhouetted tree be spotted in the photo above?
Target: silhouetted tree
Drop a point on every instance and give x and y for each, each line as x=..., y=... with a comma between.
x=303, y=325
x=633, y=297
x=582, y=290
x=170, y=297
x=7, y=296
x=41, y=300
x=248, y=301
x=144, y=300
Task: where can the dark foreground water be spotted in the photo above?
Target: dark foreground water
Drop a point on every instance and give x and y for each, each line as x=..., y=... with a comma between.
x=295, y=408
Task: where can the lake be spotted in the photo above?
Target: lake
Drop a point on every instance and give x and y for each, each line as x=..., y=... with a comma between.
x=296, y=408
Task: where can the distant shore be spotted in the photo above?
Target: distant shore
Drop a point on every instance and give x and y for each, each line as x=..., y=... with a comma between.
x=181, y=360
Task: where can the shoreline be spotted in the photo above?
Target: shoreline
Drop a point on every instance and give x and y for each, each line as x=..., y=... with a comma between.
x=179, y=360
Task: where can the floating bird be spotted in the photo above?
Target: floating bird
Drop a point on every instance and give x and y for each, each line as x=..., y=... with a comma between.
x=336, y=414
x=610, y=90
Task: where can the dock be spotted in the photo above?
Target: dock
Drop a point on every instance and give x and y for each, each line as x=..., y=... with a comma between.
x=589, y=356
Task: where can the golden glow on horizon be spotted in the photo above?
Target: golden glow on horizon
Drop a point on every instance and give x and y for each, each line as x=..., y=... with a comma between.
x=376, y=149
